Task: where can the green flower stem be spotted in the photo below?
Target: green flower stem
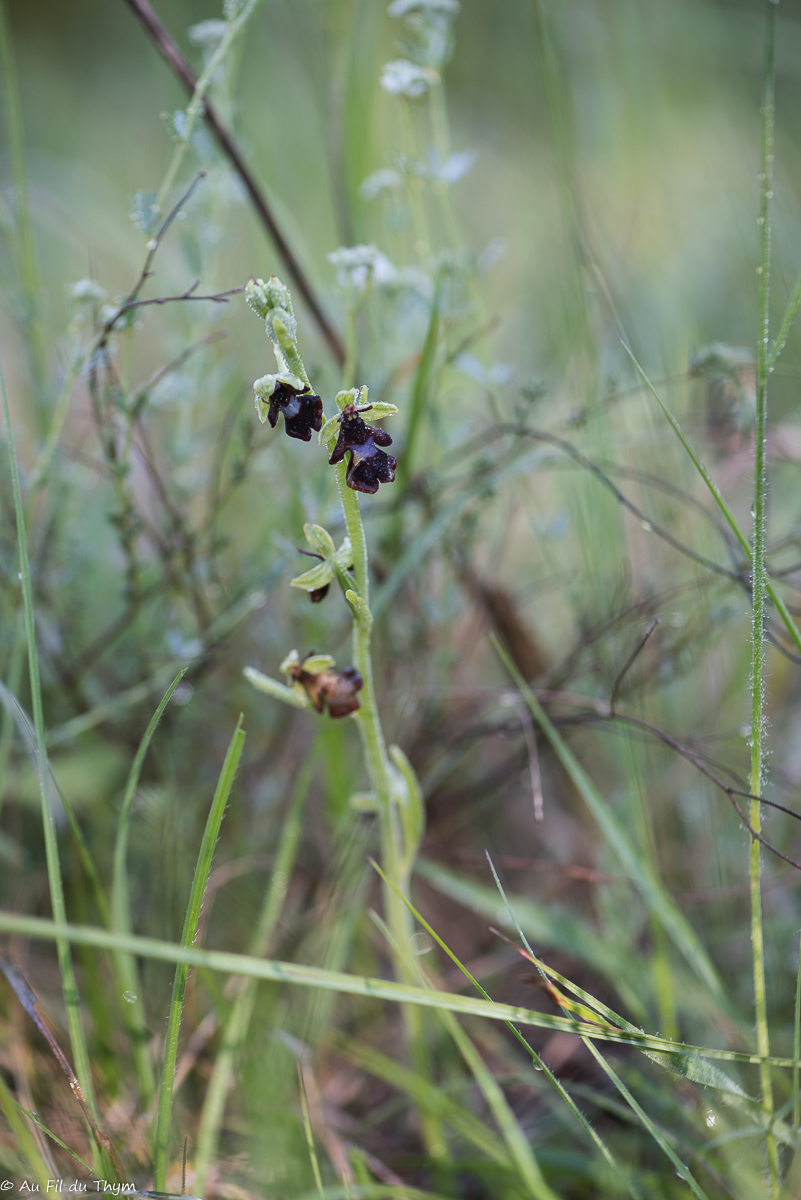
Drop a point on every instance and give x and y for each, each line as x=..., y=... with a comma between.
x=759, y=583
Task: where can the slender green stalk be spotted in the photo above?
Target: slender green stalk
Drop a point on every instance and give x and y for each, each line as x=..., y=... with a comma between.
x=127, y=971
x=238, y=1022
x=797, y=1047
x=655, y=895
x=199, y=882
x=682, y=1169
x=80, y=1054
x=535, y=1058
x=194, y=110
x=721, y=502
x=16, y=661
x=23, y=1136
x=307, y=1127
x=758, y=584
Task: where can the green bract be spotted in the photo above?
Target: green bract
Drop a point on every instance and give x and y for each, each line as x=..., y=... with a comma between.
x=335, y=564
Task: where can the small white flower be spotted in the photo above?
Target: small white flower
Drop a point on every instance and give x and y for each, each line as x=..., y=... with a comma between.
x=404, y=78
x=383, y=180
x=357, y=265
x=402, y=8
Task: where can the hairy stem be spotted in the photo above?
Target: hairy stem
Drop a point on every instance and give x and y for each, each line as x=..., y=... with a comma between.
x=759, y=580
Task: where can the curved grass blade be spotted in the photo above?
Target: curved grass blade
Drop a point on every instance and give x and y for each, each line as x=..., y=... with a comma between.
x=538, y=1062
x=127, y=972
x=656, y=1134
x=80, y=1054
x=652, y=890
x=341, y=982
x=23, y=1136
x=238, y=1022
x=199, y=882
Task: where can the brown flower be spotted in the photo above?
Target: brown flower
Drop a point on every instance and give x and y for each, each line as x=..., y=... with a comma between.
x=303, y=411
x=330, y=689
x=368, y=465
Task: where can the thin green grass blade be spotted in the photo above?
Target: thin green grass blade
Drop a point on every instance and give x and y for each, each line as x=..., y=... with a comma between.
x=538, y=1062
x=126, y=968
x=546, y=926
x=653, y=892
x=25, y=1140
x=426, y=1095
x=298, y=974
x=53, y=1137
x=307, y=1129
x=722, y=504
x=797, y=1047
x=16, y=663
x=18, y=716
x=522, y=1156
x=238, y=1022
x=759, y=579
x=199, y=883
x=659, y=1138
x=80, y=1054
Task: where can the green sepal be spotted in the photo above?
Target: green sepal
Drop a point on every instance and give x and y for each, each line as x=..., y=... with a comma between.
x=381, y=409
x=314, y=579
x=294, y=696
x=320, y=540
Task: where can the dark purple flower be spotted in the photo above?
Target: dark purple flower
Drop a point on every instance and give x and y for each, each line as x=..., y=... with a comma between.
x=303, y=411
x=368, y=465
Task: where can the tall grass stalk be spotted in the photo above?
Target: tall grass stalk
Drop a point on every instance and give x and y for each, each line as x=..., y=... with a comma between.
x=237, y=1023
x=127, y=971
x=191, y=920
x=80, y=1054
x=758, y=585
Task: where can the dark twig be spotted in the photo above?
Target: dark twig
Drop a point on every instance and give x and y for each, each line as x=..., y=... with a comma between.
x=568, y=448
x=27, y=999
x=604, y=712
x=189, y=294
x=630, y=662
x=152, y=246
x=172, y=55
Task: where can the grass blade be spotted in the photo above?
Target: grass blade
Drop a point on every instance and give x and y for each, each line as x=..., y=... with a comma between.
x=341, y=982
x=656, y=1134
x=655, y=895
x=80, y=1054
x=199, y=882
x=238, y=1022
x=127, y=972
